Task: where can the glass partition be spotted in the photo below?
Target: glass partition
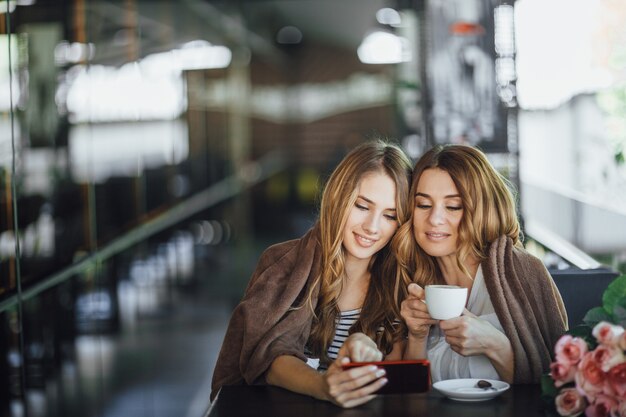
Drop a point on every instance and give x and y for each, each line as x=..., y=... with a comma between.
x=144, y=146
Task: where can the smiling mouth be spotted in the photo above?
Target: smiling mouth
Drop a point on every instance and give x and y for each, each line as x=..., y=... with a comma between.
x=437, y=236
x=364, y=241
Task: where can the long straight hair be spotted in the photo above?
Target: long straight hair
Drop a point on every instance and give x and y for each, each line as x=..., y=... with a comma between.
x=338, y=198
x=489, y=211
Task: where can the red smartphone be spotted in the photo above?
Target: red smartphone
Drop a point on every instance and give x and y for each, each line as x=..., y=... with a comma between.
x=403, y=376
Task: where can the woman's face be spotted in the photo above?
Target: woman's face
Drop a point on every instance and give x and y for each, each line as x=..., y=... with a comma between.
x=437, y=214
x=372, y=220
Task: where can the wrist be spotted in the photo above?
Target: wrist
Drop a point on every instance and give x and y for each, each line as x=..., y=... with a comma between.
x=416, y=348
x=499, y=347
x=322, y=389
x=418, y=336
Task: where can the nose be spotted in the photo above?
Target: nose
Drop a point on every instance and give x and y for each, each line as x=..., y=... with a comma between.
x=372, y=223
x=437, y=216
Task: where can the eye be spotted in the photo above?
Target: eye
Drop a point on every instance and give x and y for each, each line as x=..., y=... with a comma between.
x=360, y=206
x=454, y=208
x=391, y=217
x=423, y=206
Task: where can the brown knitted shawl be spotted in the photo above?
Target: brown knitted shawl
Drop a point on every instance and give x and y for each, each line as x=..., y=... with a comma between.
x=528, y=305
x=264, y=325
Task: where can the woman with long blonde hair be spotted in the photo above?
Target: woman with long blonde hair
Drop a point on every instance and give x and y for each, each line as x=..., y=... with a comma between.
x=464, y=231
x=322, y=300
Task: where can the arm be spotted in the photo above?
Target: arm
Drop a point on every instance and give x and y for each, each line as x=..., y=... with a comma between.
x=470, y=335
x=346, y=388
x=291, y=373
x=501, y=356
x=418, y=321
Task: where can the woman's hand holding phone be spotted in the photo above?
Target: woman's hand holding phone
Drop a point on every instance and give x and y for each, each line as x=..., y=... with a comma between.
x=355, y=386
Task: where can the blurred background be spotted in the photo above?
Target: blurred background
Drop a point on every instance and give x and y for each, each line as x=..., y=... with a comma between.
x=150, y=150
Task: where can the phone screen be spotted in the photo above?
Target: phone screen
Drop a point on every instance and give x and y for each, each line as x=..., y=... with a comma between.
x=403, y=376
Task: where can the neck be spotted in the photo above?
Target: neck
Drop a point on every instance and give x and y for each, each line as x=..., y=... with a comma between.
x=356, y=283
x=454, y=275
x=357, y=269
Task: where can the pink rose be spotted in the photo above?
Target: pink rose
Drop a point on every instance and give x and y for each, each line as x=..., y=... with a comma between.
x=621, y=341
x=590, y=378
x=562, y=373
x=607, y=333
x=601, y=407
x=570, y=349
x=607, y=356
x=617, y=380
x=570, y=403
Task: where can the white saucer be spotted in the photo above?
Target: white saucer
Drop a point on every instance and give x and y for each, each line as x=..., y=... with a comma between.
x=466, y=389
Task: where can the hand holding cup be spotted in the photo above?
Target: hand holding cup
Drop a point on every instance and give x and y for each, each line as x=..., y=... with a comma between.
x=415, y=313
x=445, y=301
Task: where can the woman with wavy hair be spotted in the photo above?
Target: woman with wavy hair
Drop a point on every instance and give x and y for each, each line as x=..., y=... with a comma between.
x=464, y=231
x=322, y=300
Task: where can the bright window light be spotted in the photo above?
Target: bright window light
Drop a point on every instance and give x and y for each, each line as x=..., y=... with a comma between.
x=8, y=85
x=384, y=48
x=150, y=89
x=103, y=94
x=11, y=6
x=202, y=55
x=555, y=51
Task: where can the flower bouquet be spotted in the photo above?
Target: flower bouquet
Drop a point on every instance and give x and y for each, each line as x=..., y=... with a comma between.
x=589, y=372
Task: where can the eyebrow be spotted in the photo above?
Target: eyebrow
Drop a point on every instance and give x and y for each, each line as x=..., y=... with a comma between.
x=445, y=196
x=371, y=202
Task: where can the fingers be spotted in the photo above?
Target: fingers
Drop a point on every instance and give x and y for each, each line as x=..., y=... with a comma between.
x=414, y=308
x=416, y=291
x=457, y=323
x=361, y=348
x=469, y=336
x=356, y=385
x=363, y=352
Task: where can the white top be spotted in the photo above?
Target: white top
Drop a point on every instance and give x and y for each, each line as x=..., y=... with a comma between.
x=446, y=363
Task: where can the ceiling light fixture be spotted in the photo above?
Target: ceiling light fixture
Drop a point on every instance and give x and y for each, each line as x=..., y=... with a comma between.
x=381, y=47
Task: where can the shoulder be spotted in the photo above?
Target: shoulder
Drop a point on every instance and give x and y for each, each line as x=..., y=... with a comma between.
x=504, y=247
x=526, y=258
x=504, y=257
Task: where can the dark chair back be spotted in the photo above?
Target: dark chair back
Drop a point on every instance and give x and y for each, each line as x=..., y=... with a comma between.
x=582, y=290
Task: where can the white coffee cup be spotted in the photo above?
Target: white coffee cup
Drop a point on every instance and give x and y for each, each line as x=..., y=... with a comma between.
x=445, y=301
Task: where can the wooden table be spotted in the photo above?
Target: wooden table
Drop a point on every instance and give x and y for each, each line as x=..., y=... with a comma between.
x=253, y=401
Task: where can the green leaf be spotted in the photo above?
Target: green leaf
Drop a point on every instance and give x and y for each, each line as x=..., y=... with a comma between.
x=614, y=293
x=547, y=386
x=596, y=315
x=582, y=331
x=619, y=312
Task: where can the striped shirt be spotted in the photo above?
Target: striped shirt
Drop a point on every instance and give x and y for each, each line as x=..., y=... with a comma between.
x=342, y=328
x=343, y=323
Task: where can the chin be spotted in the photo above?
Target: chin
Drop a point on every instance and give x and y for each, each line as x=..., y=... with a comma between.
x=433, y=251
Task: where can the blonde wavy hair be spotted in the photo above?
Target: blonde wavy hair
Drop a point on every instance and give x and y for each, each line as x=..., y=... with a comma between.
x=338, y=198
x=489, y=211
